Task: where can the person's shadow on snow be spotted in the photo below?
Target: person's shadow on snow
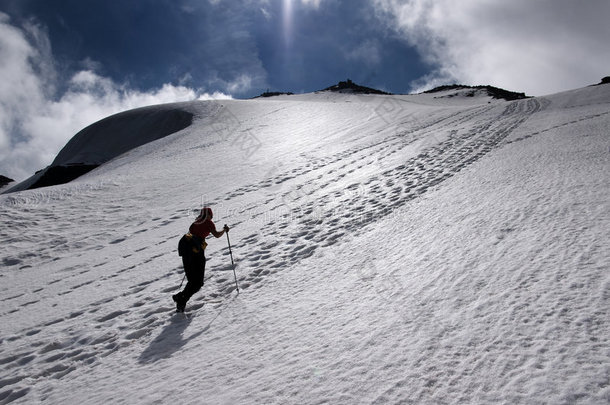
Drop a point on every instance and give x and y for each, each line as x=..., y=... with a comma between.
x=169, y=341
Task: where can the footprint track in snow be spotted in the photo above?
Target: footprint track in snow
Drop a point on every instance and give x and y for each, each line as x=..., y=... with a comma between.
x=313, y=225
x=385, y=192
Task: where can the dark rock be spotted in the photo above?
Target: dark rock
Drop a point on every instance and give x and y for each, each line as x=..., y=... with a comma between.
x=5, y=180
x=351, y=87
x=273, y=94
x=492, y=91
x=61, y=174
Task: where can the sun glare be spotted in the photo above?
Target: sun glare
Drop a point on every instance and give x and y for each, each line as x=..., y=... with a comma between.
x=287, y=22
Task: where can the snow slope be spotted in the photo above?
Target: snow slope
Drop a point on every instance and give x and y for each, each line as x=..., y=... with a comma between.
x=389, y=249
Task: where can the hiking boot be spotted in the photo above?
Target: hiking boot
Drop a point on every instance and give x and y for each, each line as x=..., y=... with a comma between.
x=180, y=304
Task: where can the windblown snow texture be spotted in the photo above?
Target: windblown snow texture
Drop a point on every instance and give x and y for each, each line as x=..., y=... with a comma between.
x=389, y=249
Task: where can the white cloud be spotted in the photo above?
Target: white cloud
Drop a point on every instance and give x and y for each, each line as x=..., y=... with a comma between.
x=241, y=84
x=539, y=47
x=35, y=122
x=367, y=52
x=267, y=14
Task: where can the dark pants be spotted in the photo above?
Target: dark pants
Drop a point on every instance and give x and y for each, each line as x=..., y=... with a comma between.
x=194, y=267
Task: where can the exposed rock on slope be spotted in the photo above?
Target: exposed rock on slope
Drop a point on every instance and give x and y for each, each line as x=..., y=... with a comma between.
x=494, y=92
x=351, y=87
x=5, y=180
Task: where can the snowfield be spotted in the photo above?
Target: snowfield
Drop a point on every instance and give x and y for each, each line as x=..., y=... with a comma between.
x=421, y=249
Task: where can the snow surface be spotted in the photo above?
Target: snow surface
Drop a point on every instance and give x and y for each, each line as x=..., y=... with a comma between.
x=389, y=249
x=6, y=186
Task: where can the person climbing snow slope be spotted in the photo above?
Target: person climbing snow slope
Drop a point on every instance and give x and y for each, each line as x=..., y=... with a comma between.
x=192, y=249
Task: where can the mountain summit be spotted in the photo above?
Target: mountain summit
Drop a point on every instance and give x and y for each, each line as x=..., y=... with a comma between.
x=352, y=88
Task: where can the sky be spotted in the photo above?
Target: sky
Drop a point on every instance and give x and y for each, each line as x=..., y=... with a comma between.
x=68, y=63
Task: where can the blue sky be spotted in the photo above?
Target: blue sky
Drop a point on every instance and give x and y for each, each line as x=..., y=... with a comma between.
x=68, y=63
x=236, y=47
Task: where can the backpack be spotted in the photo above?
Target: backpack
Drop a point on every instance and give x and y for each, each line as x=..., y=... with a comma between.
x=190, y=244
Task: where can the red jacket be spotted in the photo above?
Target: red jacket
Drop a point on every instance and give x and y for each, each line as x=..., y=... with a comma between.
x=203, y=225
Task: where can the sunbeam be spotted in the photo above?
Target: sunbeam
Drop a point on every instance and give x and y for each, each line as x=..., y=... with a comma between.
x=287, y=22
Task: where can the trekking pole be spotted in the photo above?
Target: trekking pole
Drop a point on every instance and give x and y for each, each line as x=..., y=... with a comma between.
x=182, y=281
x=232, y=263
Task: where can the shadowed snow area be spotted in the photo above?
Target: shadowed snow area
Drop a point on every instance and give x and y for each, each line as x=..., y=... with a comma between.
x=426, y=249
x=119, y=133
x=109, y=138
